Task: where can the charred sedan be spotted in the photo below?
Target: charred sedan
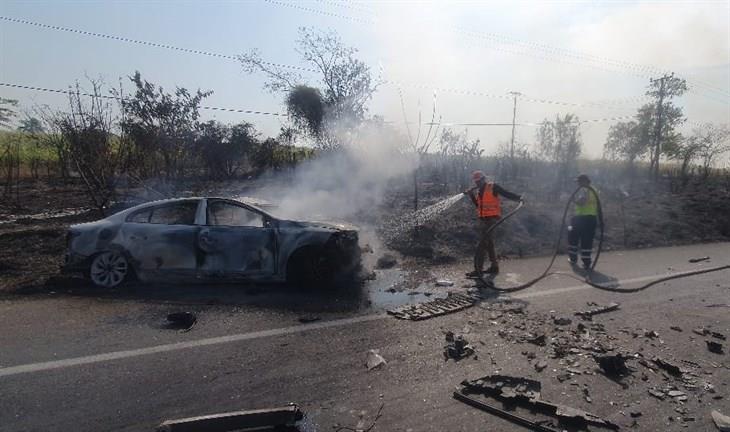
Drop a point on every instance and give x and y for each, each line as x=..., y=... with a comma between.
x=208, y=239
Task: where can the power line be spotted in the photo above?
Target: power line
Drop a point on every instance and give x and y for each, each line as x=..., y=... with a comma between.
x=71, y=91
x=230, y=57
x=644, y=71
x=146, y=43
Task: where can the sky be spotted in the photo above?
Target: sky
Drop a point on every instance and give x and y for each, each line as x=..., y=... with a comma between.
x=593, y=59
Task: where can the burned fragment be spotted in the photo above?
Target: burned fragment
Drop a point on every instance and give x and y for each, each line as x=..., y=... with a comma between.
x=598, y=310
x=437, y=307
x=613, y=365
x=526, y=392
x=275, y=419
x=183, y=321
x=456, y=347
x=671, y=368
x=714, y=347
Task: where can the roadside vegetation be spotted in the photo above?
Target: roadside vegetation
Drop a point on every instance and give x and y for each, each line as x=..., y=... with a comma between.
x=110, y=147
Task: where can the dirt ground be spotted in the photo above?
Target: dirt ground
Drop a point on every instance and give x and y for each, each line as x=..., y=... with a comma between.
x=33, y=233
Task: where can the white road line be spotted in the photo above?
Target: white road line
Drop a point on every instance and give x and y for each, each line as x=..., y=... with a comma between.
x=117, y=355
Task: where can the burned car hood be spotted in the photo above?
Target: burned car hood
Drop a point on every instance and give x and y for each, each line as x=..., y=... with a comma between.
x=333, y=226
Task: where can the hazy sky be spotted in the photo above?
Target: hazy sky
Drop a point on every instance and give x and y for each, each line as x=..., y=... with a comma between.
x=596, y=56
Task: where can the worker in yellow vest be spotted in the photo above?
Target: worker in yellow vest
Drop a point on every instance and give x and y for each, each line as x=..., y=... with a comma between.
x=582, y=227
x=485, y=196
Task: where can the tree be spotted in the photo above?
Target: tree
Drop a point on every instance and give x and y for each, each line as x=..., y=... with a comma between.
x=94, y=150
x=162, y=126
x=560, y=142
x=337, y=105
x=664, y=117
x=626, y=141
x=7, y=112
x=713, y=142
x=459, y=154
x=31, y=125
x=224, y=149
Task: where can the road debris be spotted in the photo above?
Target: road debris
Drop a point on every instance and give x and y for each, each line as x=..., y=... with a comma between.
x=676, y=328
x=540, y=366
x=668, y=366
x=714, y=347
x=279, y=419
x=526, y=393
x=374, y=360
x=562, y=321
x=696, y=260
x=386, y=261
x=309, y=319
x=532, y=425
x=360, y=426
x=452, y=303
x=613, y=365
x=588, y=314
x=444, y=283
x=183, y=321
x=457, y=347
x=721, y=421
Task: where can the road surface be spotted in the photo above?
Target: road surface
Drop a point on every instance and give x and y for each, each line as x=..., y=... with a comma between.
x=78, y=359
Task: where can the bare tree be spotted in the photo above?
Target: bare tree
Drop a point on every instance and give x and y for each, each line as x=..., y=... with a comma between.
x=713, y=142
x=97, y=154
x=337, y=104
x=7, y=112
x=664, y=117
x=560, y=142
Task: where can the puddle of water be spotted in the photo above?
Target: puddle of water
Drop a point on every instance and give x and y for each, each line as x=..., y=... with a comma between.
x=388, y=291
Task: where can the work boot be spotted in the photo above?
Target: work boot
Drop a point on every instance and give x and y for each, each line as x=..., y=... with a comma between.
x=587, y=264
x=493, y=269
x=474, y=274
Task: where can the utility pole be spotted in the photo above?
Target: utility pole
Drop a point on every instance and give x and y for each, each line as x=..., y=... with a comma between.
x=658, y=127
x=512, y=141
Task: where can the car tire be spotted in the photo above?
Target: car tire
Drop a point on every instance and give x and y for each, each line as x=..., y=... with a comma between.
x=109, y=269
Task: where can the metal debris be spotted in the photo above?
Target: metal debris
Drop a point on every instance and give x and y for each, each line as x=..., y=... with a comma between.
x=714, y=347
x=696, y=260
x=259, y=420
x=457, y=347
x=587, y=314
x=671, y=368
x=526, y=392
x=535, y=426
x=183, y=321
x=452, y=303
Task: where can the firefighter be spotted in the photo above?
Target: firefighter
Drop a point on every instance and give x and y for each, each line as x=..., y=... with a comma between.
x=582, y=227
x=485, y=196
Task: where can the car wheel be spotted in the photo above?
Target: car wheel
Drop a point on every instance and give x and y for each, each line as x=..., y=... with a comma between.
x=109, y=269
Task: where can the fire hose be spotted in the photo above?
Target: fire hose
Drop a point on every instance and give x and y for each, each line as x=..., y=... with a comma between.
x=587, y=280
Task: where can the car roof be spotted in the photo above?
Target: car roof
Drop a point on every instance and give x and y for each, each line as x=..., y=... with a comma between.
x=145, y=205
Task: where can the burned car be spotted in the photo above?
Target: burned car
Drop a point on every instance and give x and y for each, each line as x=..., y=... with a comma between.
x=206, y=240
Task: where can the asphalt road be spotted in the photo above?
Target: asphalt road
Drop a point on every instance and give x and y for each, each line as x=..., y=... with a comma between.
x=78, y=359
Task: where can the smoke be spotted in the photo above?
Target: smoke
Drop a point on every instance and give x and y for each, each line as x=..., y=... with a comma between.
x=349, y=183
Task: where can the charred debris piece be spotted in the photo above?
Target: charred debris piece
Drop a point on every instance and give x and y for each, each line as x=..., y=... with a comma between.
x=526, y=393
x=282, y=419
x=700, y=259
x=453, y=302
x=714, y=347
x=613, y=365
x=457, y=347
x=183, y=321
x=588, y=314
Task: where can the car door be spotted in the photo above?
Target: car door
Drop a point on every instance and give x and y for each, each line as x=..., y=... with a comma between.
x=236, y=241
x=162, y=239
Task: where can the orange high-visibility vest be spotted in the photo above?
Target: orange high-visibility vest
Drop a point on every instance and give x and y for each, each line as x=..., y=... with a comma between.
x=488, y=203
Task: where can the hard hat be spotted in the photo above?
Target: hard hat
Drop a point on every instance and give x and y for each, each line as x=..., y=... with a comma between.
x=583, y=177
x=477, y=175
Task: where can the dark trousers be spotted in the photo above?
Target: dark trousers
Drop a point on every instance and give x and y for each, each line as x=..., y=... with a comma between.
x=580, y=238
x=486, y=243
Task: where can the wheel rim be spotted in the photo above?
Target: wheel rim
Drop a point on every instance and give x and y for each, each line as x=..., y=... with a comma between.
x=109, y=269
